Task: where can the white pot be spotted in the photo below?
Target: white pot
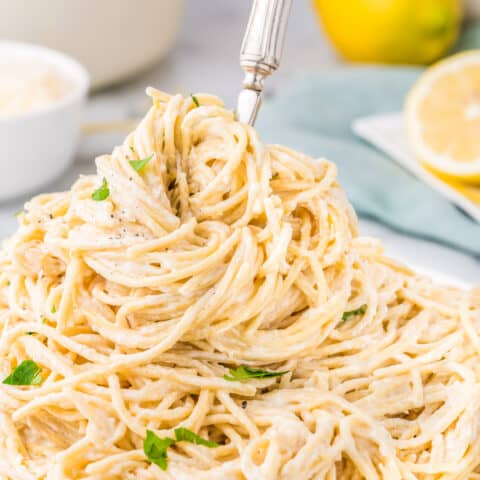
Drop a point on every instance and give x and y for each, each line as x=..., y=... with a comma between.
x=473, y=8
x=112, y=38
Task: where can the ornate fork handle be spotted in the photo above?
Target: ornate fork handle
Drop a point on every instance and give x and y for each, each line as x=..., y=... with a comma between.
x=260, y=53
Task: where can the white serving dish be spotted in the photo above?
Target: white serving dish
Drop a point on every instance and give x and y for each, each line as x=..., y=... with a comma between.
x=37, y=146
x=114, y=39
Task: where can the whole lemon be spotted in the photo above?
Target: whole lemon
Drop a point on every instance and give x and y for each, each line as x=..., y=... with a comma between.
x=391, y=31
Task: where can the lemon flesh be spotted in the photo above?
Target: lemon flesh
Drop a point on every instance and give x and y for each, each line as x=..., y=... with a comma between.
x=443, y=118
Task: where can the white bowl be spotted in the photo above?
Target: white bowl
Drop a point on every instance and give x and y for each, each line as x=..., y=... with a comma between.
x=114, y=39
x=37, y=146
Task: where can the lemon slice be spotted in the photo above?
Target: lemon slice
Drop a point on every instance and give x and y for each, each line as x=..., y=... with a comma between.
x=443, y=118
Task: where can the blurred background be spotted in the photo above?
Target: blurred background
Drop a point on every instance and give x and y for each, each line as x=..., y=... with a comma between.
x=346, y=65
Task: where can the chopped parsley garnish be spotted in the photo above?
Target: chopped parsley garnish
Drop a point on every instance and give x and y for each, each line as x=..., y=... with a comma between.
x=132, y=148
x=183, y=434
x=155, y=448
x=102, y=192
x=244, y=373
x=139, y=165
x=195, y=100
x=27, y=373
x=54, y=309
x=353, y=313
x=18, y=213
x=30, y=333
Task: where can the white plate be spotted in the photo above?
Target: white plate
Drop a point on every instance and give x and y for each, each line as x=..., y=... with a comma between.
x=387, y=133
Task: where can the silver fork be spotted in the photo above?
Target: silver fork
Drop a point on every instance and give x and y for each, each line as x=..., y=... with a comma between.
x=260, y=54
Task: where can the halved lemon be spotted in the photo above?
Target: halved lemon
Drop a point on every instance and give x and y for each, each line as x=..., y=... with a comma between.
x=443, y=118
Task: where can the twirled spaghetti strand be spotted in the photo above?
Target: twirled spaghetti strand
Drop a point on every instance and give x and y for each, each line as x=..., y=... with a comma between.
x=194, y=250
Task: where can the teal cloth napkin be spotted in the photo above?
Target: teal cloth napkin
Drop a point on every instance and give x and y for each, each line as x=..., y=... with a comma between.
x=315, y=117
x=470, y=38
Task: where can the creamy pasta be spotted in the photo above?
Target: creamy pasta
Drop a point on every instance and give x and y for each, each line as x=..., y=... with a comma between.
x=206, y=281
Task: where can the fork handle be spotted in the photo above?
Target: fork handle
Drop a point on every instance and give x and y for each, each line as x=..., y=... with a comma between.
x=263, y=42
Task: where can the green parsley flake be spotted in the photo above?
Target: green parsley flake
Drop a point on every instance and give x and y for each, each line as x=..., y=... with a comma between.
x=27, y=373
x=353, y=313
x=183, y=434
x=244, y=373
x=139, y=165
x=155, y=449
x=54, y=309
x=195, y=100
x=102, y=192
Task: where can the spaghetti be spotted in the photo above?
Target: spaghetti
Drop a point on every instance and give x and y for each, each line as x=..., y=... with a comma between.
x=214, y=291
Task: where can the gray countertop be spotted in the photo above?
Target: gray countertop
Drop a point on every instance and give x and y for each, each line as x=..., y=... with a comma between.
x=205, y=59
